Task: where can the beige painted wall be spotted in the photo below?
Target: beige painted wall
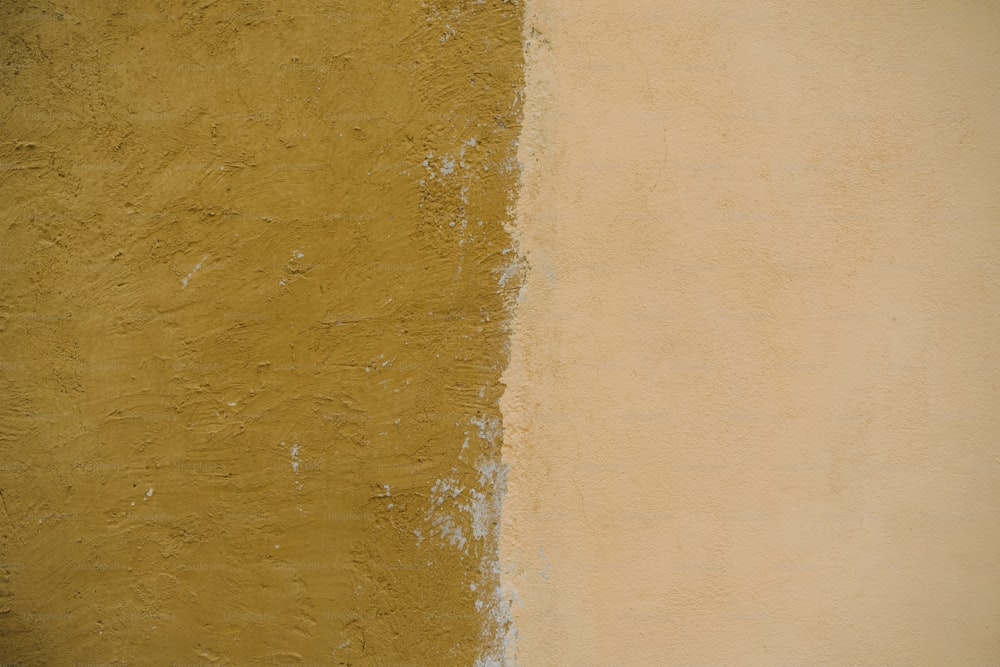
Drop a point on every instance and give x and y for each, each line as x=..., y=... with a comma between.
x=752, y=408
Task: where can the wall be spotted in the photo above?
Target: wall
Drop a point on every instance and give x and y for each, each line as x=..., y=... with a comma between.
x=255, y=292
x=751, y=409
x=257, y=280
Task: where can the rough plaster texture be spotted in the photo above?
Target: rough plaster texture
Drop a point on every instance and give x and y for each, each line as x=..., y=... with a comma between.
x=751, y=412
x=255, y=283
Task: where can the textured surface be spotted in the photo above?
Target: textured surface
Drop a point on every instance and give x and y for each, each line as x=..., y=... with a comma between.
x=254, y=284
x=752, y=405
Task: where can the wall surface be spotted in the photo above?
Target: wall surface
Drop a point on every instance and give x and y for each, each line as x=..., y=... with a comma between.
x=254, y=293
x=257, y=277
x=751, y=412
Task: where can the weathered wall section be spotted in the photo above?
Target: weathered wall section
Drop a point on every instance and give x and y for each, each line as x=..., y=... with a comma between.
x=752, y=405
x=255, y=275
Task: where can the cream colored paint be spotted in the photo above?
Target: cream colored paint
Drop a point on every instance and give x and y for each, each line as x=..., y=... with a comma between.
x=752, y=413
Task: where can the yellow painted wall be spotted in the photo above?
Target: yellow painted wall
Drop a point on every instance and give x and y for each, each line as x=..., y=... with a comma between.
x=254, y=295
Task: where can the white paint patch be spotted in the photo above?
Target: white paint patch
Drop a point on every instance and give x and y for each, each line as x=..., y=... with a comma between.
x=509, y=272
x=479, y=509
x=444, y=525
x=197, y=267
x=295, y=464
x=488, y=428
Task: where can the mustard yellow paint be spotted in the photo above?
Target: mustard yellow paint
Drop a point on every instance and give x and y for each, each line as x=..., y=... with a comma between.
x=255, y=297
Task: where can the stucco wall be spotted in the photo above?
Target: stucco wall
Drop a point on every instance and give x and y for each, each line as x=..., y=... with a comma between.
x=751, y=410
x=257, y=278
x=253, y=297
